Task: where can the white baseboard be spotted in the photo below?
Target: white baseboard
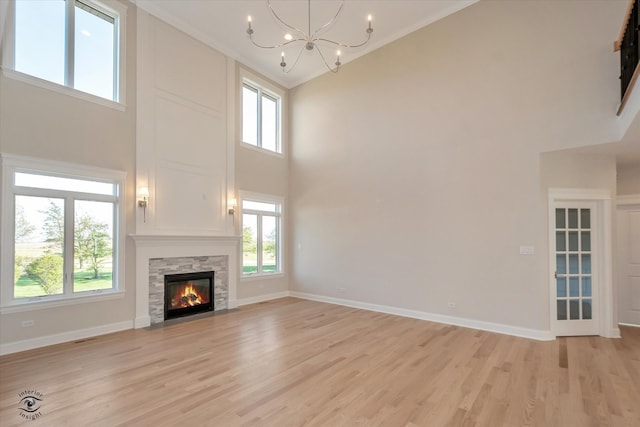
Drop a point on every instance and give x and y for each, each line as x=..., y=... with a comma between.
x=142, y=322
x=262, y=298
x=535, y=334
x=633, y=325
x=16, y=346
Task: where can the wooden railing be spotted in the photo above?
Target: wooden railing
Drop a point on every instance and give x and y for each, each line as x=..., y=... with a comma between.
x=628, y=45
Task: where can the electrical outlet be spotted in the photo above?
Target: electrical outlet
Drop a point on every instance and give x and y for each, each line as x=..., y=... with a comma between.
x=27, y=323
x=341, y=289
x=451, y=305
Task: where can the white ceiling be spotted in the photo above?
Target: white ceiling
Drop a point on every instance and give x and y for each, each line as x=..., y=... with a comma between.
x=222, y=24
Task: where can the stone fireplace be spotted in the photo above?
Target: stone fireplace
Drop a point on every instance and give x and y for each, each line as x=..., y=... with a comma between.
x=160, y=256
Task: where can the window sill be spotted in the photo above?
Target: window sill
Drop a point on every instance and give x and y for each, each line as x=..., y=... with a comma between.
x=261, y=150
x=64, y=90
x=263, y=276
x=32, y=304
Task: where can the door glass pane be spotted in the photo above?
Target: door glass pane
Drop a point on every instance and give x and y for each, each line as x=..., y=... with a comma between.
x=574, y=309
x=562, y=309
x=573, y=218
x=561, y=245
x=573, y=240
x=560, y=220
x=40, y=39
x=93, y=246
x=585, y=218
x=574, y=287
x=562, y=287
x=39, y=239
x=94, y=52
x=249, y=115
x=586, y=286
x=586, y=309
x=561, y=264
x=586, y=264
x=585, y=241
x=573, y=264
x=269, y=246
x=269, y=123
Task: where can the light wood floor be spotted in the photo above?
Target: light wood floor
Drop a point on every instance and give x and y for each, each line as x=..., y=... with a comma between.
x=293, y=362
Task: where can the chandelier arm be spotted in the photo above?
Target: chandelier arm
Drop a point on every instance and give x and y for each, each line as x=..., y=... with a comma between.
x=346, y=45
x=294, y=62
x=275, y=15
x=277, y=45
x=328, y=24
x=333, y=70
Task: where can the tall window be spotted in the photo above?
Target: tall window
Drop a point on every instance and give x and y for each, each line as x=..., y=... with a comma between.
x=74, y=43
x=65, y=234
x=261, y=111
x=261, y=236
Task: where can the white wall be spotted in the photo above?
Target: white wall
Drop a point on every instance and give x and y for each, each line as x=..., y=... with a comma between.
x=628, y=179
x=41, y=123
x=415, y=171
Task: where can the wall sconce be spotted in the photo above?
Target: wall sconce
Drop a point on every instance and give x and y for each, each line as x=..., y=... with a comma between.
x=232, y=206
x=144, y=193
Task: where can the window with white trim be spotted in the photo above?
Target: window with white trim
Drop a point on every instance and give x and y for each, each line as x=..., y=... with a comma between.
x=261, y=235
x=62, y=231
x=73, y=43
x=261, y=116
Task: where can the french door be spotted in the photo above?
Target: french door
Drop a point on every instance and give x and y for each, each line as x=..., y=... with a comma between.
x=574, y=288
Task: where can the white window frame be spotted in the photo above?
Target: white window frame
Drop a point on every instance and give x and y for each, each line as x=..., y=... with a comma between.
x=10, y=166
x=272, y=91
x=279, y=214
x=112, y=8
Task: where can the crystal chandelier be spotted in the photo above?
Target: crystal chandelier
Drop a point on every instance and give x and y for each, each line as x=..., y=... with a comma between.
x=310, y=40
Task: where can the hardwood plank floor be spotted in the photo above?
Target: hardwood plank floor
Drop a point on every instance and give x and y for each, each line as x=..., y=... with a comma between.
x=294, y=362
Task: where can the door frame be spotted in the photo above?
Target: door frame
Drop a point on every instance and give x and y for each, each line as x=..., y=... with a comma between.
x=631, y=201
x=607, y=325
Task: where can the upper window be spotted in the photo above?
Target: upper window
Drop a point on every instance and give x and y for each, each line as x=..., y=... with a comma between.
x=65, y=235
x=74, y=43
x=261, y=235
x=261, y=117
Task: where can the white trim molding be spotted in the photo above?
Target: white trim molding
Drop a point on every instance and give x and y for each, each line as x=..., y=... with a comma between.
x=499, y=328
x=78, y=334
x=628, y=200
x=263, y=298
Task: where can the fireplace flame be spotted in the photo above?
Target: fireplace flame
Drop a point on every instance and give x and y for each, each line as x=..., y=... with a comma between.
x=187, y=296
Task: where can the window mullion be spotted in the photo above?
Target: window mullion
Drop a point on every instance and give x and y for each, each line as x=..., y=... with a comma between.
x=68, y=250
x=69, y=63
x=259, y=244
x=116, y=61
x=259, y=115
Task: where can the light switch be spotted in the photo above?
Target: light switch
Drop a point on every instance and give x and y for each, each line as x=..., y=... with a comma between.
x=526, y=250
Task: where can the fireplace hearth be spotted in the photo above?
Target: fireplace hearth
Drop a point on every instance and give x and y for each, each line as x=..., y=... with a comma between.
x=187, y=294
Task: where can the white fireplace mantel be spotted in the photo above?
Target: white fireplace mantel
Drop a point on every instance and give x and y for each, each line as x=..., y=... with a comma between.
x=170, y=246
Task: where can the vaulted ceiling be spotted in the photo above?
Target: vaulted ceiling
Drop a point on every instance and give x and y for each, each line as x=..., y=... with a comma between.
x=222, y=24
